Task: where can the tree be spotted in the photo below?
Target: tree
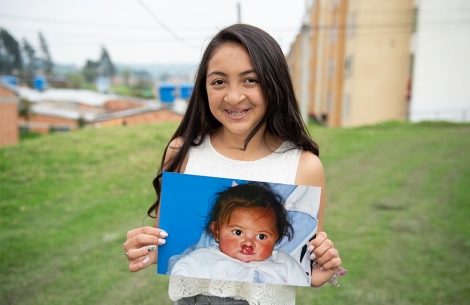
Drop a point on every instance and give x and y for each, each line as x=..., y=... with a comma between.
x=10, y=54
x=144, y=79
x=24, y=109
x=75, y=81
x=46, y=56
x=90, y=71
x=105, y=65
x=30, y=65
x=81, y=122
x=126, y=75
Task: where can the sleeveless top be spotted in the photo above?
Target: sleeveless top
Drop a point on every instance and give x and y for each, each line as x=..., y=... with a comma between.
x=278, y=167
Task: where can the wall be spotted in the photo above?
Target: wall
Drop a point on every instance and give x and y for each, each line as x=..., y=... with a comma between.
x=158, y=116
x=8, y=117
x=43, y=123
x=441, y=78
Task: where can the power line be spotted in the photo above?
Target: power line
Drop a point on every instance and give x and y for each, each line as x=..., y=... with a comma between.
x=166, y=28
x=111, y=36
x=68, y=22
x=85, y=23
x=318, y=27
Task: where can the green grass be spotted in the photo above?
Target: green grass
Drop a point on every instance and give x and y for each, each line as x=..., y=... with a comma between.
x=398, y=208
x=28, y=135
x=129, y=91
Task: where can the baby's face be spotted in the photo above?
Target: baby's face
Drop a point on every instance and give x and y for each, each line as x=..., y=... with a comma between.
x=250, y=235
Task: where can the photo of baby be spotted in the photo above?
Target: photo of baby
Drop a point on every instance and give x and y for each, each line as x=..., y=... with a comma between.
x=248, y=230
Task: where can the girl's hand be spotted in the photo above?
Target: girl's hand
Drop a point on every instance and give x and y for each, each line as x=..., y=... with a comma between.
x=141, y=247
x=327, y=259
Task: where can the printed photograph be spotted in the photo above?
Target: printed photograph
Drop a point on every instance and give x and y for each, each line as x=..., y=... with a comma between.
x=237, y=230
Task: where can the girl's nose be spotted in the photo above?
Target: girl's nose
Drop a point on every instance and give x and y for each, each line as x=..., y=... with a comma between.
x=234, y=96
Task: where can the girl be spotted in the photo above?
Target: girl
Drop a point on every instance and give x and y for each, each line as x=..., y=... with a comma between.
x=246, y=221
x=242, y=122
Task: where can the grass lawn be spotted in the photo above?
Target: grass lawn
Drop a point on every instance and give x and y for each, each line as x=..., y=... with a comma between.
x=398, y=209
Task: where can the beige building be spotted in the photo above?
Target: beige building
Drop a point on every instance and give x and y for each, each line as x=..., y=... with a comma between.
x=8, y=115
x=351, y=61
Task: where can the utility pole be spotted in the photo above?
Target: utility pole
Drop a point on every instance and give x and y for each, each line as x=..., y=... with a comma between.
x=239, y=13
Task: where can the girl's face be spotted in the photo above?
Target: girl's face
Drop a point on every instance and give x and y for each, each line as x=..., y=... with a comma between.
x=249, y=235
x=235, y=96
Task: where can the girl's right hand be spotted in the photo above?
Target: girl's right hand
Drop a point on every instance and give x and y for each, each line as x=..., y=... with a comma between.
x=141, y=247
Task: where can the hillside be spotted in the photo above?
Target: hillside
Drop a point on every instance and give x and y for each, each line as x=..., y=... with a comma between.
x=398, y=210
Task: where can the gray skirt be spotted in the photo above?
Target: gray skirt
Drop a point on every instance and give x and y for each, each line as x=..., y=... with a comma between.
x=209, y=300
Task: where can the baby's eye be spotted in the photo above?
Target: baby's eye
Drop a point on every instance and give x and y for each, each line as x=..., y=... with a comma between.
x=262, y=236
x=237, y=232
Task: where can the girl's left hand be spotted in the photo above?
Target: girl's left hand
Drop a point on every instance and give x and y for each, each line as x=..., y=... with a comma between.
x=328, y=262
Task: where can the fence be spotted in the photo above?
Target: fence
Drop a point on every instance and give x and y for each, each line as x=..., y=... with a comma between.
x=457, y=115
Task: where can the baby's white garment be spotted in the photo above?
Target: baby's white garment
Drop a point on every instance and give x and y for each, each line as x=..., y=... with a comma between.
x=210, y=263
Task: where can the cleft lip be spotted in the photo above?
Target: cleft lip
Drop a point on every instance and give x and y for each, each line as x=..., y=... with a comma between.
x=247, y=250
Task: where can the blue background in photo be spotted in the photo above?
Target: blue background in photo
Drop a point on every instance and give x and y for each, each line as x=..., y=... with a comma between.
x=185, y=205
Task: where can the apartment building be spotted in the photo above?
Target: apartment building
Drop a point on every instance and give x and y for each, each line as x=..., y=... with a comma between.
x=351, y=61
x=441, y=66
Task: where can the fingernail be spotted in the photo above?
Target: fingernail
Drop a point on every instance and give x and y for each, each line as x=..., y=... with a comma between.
x=163, y=234
x=321, y=268
x=310, y=249
x=146, y=260
x=151, y=248
x=312, y=256
x=161, y=241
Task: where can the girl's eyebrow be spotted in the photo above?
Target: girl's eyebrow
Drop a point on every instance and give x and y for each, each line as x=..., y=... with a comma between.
x=225, y=74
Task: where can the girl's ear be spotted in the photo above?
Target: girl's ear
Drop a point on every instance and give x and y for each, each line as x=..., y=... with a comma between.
x=214, y=231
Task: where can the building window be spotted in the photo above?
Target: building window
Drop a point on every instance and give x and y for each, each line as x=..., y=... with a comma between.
x=348, y=66
x=346, y=106
x=333, y=33
x=329, y=102
x=331, y=68
x=336, y=3
x=59, y=128
x=352, y=19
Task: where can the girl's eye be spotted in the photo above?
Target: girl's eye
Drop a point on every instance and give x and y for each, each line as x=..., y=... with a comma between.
x=251, y=80
x=237, y=232
x=262, y=236
x=218, y=82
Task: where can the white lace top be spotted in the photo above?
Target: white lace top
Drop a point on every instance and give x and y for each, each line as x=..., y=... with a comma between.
x=278, y=167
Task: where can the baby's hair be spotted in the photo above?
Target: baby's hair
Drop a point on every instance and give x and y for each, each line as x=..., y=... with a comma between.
x=251, y=195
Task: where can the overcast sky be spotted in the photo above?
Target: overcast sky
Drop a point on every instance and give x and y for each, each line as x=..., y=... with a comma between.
x=157, y=31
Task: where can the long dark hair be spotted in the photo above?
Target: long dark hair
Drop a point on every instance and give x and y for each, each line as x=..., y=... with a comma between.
x=251, y=195
x=282, y=117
